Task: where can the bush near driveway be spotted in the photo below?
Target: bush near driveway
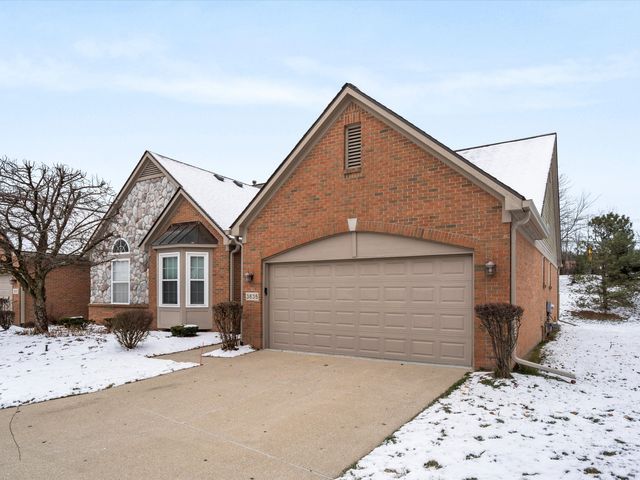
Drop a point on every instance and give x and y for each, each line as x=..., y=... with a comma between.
x=131, y=327
x=227, y=316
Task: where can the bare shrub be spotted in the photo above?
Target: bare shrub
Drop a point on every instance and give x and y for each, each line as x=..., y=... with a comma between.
x=131, y=327
x=6, y=315
x=502, y=322
x=227, y=317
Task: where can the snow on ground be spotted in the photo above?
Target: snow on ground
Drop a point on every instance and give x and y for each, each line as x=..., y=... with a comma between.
x=242, y=350
x=35, y=368
x=536, y=426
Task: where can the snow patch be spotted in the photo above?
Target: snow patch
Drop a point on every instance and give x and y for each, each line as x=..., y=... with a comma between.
x=34, y=368
x=223, y=200
x=242, y=350
x=522, y=164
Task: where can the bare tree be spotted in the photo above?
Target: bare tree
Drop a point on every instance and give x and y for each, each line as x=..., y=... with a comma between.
x=48, y=219
x=573, y=215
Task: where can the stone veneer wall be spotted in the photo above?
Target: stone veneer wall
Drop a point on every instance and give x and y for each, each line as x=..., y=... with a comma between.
x=139, y=210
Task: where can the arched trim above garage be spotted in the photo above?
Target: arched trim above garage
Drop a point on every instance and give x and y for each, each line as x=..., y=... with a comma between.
x=361, y=245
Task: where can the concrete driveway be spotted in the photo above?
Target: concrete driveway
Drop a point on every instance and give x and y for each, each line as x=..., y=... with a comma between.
x=261, y=416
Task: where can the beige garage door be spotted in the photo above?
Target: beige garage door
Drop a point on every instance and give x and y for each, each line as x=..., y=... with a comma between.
x=416, y=309
x=5, y=287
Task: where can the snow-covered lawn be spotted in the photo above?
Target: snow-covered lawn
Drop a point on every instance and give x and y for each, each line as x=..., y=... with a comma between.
x=535, y=426
x=242, y=350
x=35, y=368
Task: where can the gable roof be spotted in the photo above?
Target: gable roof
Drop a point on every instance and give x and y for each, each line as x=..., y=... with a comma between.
x=512, y=199
x=522, y=164
x=222, y=198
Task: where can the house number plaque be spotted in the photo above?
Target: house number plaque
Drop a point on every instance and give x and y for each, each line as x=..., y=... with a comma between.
x=252, y=296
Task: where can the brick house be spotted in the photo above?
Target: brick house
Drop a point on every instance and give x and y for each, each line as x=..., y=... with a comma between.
x=374, y=239
x=67, y=294
x=171, y=252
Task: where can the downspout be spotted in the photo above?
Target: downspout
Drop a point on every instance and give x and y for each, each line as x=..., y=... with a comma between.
x=514, y=271
x=231, y=268
x=23, y=308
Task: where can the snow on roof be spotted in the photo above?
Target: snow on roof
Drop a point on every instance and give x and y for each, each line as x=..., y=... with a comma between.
x=520, y=164
x=222, y=198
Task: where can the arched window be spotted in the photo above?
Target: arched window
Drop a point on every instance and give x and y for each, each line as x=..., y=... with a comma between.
x=120, y=246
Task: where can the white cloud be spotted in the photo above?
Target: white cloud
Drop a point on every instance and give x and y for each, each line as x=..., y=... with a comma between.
x=131, y=48
x=564, y=84
x=179, y=81
x=569, y=72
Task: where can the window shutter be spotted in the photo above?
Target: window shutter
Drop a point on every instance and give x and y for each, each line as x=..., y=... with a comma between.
x=353, y=146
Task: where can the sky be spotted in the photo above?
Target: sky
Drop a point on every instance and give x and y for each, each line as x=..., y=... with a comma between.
x=232, y=87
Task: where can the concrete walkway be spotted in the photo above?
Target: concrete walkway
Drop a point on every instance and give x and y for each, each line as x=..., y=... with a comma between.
x=267, y=415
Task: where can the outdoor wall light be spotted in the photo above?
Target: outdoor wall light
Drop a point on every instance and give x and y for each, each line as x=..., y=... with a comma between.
x=248, y=277
x=490, y=268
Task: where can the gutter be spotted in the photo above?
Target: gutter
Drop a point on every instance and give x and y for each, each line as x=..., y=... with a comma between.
x=231, y=269
x=515, y=358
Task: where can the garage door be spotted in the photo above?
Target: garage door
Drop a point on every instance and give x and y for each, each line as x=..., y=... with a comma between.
x=5, y=286
x=415, y=309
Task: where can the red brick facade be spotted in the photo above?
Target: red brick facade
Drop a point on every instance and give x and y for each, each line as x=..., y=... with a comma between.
x=533, y=290
x=68, y=292
x=400, y=189
x=219, y=257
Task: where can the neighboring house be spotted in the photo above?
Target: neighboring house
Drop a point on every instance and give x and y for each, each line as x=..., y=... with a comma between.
x=374, y=239
x=171, y=253
x=67, y=294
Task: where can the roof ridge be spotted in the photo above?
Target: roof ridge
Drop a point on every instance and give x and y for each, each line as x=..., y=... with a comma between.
x=507, y=141
x=201, y=168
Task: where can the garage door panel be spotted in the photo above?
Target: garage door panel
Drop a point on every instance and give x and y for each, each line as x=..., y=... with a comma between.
x=322, y=317
x=424, y=322
x=370, y=345
x=424, y=349
x=454, y=324
x=453, y=351
x=423, y=294
x=395, y=268
x=417, y=309
x=370, y=319
x=423, y=269
x=368, y=269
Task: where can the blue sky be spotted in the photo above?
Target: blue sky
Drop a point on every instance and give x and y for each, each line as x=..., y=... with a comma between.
x=233, y=86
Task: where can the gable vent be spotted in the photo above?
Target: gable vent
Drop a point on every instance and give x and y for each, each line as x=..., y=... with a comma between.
x=353, y=146
x=219, y=177
x=150, y=169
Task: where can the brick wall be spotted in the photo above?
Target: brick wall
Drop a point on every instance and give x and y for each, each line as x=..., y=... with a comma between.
x=533, y=292
x=401, y=189
x=99, y=311
x=68, y=291
x=184, y=211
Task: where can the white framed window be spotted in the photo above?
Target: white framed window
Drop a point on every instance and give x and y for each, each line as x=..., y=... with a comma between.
x=120, y=246
x=197, y=279
x=120, y=281
x=169, y=288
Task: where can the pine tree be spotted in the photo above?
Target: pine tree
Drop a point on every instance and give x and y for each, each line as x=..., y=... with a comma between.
x=614, y=261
